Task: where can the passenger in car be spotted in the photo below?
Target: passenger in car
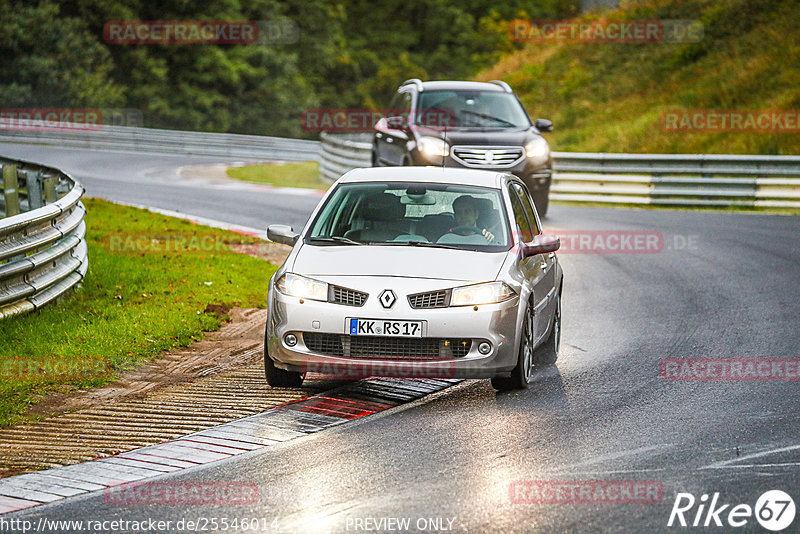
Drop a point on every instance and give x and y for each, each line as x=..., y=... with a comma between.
x=488, y=216
x=433, y=226
x=380, y=219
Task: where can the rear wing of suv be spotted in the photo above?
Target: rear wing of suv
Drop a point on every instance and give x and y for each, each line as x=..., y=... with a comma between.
x=416, y=81
x=418, y=84
x=502, y=84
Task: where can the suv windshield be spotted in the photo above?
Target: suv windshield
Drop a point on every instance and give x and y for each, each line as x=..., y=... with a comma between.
x=470, y=109
x=413, y=214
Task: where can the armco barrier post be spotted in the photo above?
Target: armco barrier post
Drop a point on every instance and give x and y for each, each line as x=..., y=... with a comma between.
x=11, y=190
x=50, y=189
x=35, y=194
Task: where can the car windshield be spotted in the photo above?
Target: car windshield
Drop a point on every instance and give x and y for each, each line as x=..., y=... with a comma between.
x=412, y=214
x=470, y=109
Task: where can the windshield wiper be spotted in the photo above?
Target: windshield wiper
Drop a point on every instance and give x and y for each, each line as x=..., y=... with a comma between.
x=334, y=239
x=489, y=117
x=418, y=244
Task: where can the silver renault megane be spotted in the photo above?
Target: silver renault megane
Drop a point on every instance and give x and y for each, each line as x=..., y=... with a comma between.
x=416, y=272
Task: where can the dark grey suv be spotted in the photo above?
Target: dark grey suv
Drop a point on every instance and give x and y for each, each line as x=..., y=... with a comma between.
x=465, y=124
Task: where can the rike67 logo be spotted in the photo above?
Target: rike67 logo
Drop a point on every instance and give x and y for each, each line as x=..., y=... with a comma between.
x=774, y=510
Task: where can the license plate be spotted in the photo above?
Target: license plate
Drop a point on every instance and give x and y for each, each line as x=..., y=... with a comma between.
x=383, y=327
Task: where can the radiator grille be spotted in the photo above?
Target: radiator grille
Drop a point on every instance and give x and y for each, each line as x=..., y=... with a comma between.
x=488, y=157
x=393, y=348
x=348, y=297
x=431, y=299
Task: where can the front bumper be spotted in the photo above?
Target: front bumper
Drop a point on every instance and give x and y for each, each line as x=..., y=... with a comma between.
x=536, y=173
x=494, y=323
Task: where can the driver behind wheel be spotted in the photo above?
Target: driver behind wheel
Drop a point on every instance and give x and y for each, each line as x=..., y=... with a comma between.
x=465, y=209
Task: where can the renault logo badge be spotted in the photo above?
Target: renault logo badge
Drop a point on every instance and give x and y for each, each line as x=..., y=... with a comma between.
x=387, y=298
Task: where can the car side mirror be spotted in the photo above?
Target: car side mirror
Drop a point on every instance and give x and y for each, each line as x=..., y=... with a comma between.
x=282, y=233
x=396, y=122
x=541, y=244
x=543, y=125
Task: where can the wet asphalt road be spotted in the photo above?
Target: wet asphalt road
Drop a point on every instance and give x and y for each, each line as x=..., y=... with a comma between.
x=153, y=180
x=724, y=285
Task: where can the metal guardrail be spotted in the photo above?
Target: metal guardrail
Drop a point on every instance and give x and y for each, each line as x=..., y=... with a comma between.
x=43, y=249
x=662, y=179
x=247, y=147
x=343, y=152
x=647, y=179
x=678, y=180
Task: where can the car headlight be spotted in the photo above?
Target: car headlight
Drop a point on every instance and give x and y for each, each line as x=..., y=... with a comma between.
x=298, y=286
x=433, y=146
x=537, y=148
x=486, y=293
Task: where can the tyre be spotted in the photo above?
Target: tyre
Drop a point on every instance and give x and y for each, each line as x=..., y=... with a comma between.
x=502, y=383
x=523, y=372
x=541, y=198
x=278, y=378
x=547, y=352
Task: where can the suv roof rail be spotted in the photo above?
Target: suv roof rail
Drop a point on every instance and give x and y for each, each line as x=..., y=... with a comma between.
x=504, y=85
x=416, y=81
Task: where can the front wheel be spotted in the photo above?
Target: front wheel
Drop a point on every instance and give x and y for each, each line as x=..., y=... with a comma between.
x=278, y=378
x=523, y=373
x=541, y=198
x=547, y=353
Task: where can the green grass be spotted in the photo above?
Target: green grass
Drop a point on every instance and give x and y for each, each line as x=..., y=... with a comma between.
x=135, y=302
x=305, y=174
x=610, y=97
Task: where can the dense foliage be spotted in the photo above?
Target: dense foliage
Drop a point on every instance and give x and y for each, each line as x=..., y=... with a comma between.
x=53, y=54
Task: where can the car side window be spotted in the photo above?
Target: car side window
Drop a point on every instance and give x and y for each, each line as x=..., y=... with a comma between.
x=395, y=104
x=400, y=105
x=406, y=102
x=526, y=232
x=527, y=206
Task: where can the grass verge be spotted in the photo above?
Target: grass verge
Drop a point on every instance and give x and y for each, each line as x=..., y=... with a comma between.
x=305, y=174
x=613, y=96
x=152, y=285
